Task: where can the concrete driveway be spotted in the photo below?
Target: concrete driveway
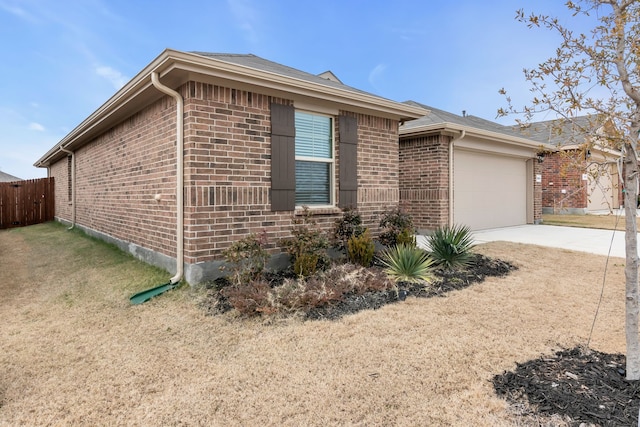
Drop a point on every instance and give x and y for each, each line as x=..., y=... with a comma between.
x=601, y=242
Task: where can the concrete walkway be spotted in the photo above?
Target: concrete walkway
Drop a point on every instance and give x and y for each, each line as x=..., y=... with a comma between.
x=601, y=242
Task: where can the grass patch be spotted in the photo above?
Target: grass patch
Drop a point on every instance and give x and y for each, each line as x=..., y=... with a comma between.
x=605, y=222
x=95, y=268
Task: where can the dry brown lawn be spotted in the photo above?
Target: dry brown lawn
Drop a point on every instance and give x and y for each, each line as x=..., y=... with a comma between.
x=74, y=352
x=607, y=222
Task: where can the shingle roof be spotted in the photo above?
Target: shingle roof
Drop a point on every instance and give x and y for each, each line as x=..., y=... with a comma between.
x=437, y=116
x=258, y=63
x=5, y=177
x=560, y=132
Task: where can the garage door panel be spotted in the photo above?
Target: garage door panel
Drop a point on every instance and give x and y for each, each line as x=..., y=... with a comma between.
x=489, y=190
x=602, y=186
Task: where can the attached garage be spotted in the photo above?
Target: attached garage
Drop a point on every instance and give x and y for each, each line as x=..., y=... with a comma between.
x=465, y=170
x=490, y=190
x=602, y=191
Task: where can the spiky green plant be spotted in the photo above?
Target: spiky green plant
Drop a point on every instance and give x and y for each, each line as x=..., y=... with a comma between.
x=407, y=263
x=451, y=246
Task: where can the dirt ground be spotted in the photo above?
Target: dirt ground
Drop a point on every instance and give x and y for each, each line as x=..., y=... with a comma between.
x=74, y=352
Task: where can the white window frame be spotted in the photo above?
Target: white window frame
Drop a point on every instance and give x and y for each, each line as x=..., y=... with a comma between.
x=331, y=161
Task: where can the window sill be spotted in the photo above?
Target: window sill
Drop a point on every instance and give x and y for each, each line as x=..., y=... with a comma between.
x=318, y=210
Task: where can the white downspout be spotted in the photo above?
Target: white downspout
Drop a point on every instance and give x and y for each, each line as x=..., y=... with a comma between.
x=179, y=174
x=451, y=183
x=73, y=186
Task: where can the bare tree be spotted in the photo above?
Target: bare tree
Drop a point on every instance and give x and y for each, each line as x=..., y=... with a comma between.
x=598, y=73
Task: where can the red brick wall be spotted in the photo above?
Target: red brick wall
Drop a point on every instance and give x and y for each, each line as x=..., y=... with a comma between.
x=61, y=173
x=560, y=171
x=228, y=165
x=227, y=174
x=119, y=173
x=378, y=168
x=424, y=180
x=537, y=193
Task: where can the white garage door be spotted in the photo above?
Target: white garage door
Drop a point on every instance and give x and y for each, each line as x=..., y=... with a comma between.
x=602, y=188
x=490, y=190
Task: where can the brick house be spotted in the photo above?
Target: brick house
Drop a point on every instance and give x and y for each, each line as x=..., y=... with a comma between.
x=198, y=150
x=467, y=170
x=580, y=173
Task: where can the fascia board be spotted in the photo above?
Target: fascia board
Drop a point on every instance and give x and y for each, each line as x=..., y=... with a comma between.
x=596, y=148
x=454, y=128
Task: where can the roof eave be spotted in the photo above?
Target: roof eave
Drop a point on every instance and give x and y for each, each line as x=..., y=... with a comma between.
x=173, y=63
x=454, y=128
x=261, y=78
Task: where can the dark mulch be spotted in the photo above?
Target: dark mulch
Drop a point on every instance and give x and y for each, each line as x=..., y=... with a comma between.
x=445, y=281
x=579, y=386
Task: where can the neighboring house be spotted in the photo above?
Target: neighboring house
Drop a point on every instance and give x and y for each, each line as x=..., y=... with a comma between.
x=5, y=177
x=469, y=171
x=580, y=175
x=199, y=150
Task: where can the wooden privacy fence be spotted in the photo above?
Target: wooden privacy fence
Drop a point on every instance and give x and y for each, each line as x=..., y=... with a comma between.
x=26, y=202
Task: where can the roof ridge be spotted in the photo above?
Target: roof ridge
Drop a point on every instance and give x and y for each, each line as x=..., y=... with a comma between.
x=203, y=53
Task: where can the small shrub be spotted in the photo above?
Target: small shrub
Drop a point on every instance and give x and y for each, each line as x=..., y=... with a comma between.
x=305, y=293
x=360, y=249
x=348, y=226
x=307, y=245
x=406, y=237
x=305, y=264
x=395, y=222
x=371, y=280
x=246, y=259
x=451, y=246
x=405, y=263
x=250, y=299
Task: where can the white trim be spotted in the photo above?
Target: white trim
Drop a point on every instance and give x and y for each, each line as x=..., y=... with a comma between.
x=315, y=108
x=331, y=162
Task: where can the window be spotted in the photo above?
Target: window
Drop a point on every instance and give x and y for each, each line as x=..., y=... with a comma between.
x=303, y=161
x=314, y=159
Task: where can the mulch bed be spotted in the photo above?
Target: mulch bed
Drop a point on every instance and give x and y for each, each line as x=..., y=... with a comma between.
x=445, y=281
x=582, y=387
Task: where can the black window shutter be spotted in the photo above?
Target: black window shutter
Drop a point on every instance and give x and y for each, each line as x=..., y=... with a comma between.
x=348, y=196
x=283, y=158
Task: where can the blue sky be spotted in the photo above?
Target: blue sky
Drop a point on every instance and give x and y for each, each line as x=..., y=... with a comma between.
x=62, y=59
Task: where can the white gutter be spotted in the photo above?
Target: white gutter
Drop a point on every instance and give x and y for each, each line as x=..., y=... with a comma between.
x=462, y=135
x=73, y=186
x=179, y=174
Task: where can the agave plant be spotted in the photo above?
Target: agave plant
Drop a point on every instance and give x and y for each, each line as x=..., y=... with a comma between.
x=451, y=246
x=407, y=263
